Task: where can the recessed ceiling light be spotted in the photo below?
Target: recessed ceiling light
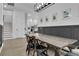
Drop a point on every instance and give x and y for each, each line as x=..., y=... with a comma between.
x=29, y=14
x=5, y=6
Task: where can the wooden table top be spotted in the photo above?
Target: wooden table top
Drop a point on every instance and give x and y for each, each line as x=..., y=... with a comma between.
x=54, y=40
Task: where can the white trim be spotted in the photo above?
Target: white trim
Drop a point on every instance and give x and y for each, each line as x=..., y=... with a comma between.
x=7, y=38
x=19, y=37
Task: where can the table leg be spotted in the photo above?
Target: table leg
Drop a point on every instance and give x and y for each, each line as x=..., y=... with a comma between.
x=34, y=47
x=56, y=51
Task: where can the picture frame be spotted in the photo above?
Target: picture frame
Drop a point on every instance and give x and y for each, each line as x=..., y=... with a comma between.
x=46, y=19
x=41, y=20
x=54, y=16
x=66, y=13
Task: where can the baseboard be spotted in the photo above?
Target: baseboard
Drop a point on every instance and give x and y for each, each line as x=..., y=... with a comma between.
x=16, y=38
x=7, y=39
x=19, y=38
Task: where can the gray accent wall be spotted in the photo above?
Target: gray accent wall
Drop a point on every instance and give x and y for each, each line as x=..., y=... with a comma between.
x=61, y=31
x=0, y=35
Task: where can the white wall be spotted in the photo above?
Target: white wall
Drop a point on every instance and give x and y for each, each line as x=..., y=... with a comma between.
x=6, y=12
x=8, y=26
x=18, y=24
x=31, y=17
x=60, y=21
x=1, y=13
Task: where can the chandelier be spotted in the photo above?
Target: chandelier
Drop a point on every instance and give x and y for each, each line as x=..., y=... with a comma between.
x=41, y=6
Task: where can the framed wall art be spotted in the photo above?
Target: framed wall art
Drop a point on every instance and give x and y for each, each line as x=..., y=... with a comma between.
x=54, y=16
x=46, y=19
x=41, y=20
x=67, y=13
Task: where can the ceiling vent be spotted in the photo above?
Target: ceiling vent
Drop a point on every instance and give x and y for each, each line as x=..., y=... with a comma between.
x=10, y=4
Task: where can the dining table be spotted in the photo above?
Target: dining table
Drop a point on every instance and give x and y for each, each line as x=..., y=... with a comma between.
x=57, y=42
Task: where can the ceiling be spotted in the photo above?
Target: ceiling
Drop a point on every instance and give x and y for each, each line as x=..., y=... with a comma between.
x=25, y=7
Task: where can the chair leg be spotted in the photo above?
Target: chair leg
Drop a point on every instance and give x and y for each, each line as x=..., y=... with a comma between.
x=34, y=52
x=45, y=52
x=35, y=41
x=57, y=52
x=28, y=52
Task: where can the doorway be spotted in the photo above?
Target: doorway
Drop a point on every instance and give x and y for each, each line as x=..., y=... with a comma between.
x=7, y=31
